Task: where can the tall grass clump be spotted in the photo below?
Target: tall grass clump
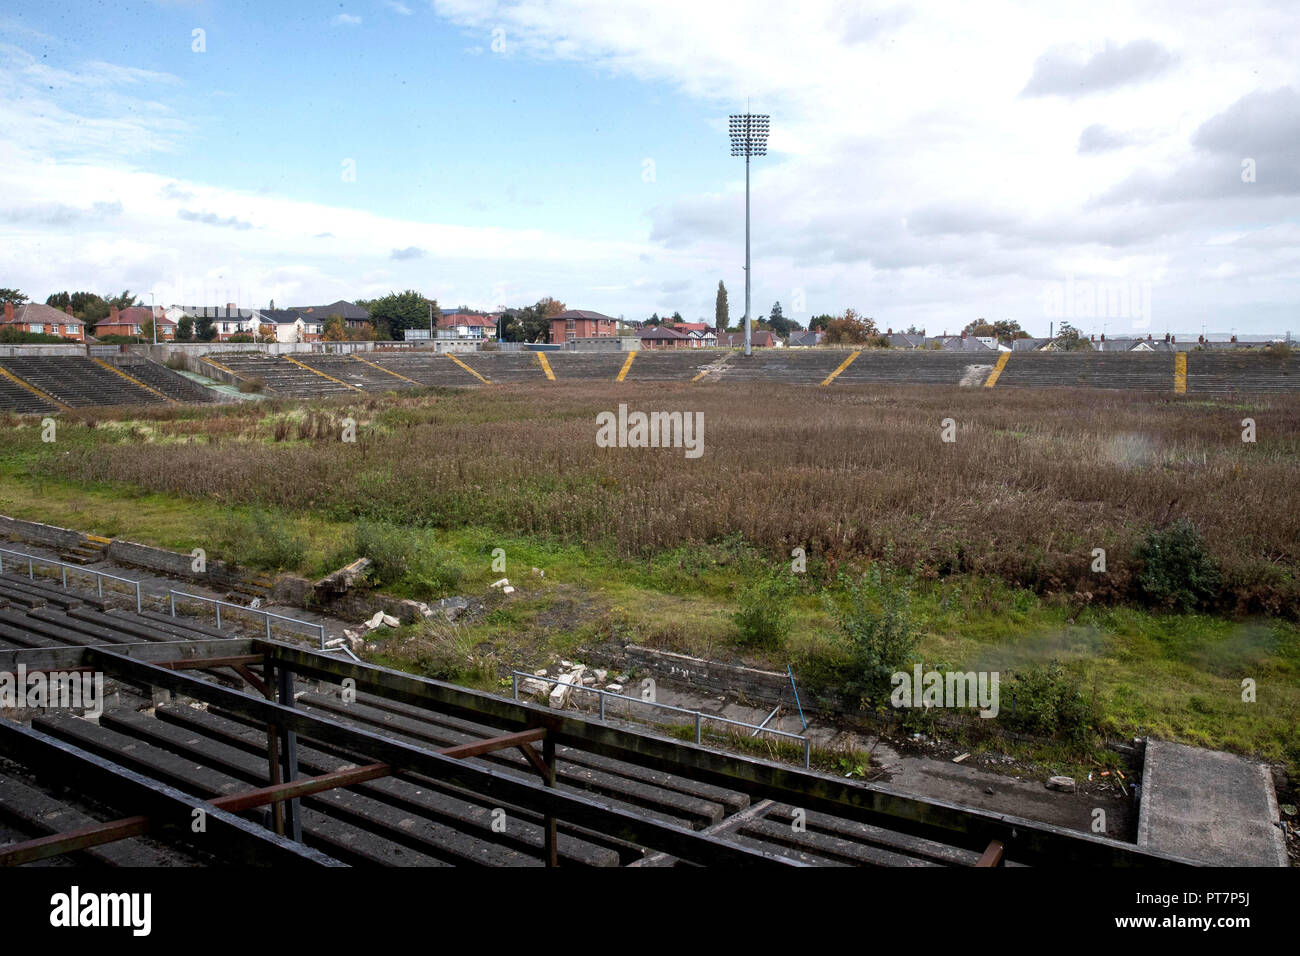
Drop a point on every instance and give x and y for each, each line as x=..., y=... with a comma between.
x=400, y=557
x=260, y=539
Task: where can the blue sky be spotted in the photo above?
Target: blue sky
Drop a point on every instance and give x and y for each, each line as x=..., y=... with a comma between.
x=929, y=165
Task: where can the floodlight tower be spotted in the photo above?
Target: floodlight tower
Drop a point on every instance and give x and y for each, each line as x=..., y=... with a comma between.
x=748, y=138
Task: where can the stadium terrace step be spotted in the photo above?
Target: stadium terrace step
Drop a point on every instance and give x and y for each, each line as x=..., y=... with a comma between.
x=78, y=382
x=281, y=377
x=162, y=379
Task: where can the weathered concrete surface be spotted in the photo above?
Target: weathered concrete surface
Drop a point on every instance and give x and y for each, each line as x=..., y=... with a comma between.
x=1209, y=805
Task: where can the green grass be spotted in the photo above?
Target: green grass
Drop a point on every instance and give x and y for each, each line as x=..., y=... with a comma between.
x=1170, y=675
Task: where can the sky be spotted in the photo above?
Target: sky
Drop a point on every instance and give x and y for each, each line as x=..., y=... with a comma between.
x=1132, y=168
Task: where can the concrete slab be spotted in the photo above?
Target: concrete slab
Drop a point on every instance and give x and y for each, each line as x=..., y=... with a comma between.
x=1208, y=805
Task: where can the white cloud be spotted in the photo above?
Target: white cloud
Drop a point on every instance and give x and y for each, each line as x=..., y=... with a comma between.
x=908, y=176
x=346, y=20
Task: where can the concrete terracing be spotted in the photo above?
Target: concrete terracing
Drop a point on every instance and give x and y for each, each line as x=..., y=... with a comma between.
x=1209, y=806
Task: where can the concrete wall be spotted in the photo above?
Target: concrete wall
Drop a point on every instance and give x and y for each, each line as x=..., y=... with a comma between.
x=51, y=349
x=217, y=573
x=34, y=531
x=710, y=675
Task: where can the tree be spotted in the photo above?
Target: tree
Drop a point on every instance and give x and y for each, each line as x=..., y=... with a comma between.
x=677, y=317
x=184, y=329
x=146, y=329
x=335, y=329
x=851, y=329
x=551, y=307
x=721, y=314
x=205, y=330
x=12, y=295
x=778, y=323
x=653, y=320
x=1001, y=329
x=818, y=323
x=1068, y=339
x=397, y=312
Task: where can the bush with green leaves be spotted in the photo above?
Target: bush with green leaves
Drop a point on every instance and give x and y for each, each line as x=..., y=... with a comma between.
x=1176, y=570
x=876, y=634
x=399, y=556
x=260, y=538
x=763, y=617
x=1049, y=701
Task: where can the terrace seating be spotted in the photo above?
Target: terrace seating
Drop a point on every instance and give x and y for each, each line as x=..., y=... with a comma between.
x=434, y=368
x=587, y=366
x=357, y=373
x=15, y=398
x=281, y=377
x=1120, y=370
x=159, y=377
x=78, y=382
x=1237, y=371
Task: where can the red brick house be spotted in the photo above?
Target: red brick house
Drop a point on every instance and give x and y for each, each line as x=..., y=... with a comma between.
x=580, y=324
x=44, y=320
x=131, y=321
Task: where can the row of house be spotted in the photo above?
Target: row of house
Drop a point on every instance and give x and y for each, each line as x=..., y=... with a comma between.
x=43, y=320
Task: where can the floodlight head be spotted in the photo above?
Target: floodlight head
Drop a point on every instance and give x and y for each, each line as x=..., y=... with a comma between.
x=748, y=134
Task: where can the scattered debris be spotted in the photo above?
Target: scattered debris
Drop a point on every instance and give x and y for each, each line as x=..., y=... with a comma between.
x=959, y=759
x=539, y=572
x=601, y=674
x=504, y=582
x=1061, y=783
x=390, y=621
x=375, y=621
x=988, y=789
x=614, y=688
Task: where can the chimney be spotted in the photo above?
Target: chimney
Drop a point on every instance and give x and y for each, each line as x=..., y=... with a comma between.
x=1200, y=339
x=963, y=334
x=9, y=311
x=112, y=314
x=1234, y=338
x=1148, y=336
x=231, y=307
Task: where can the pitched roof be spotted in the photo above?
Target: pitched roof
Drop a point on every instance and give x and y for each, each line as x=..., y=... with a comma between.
x=691, y=326
x=468, y=319
x=758, y=337
x=40, y=314
x=805, y=338
x=348, y=310
x=287, y=316
x=661, y=332
x=137, y=315
x=901, y=340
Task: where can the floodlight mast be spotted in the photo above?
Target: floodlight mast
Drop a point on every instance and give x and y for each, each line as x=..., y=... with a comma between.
x=748, y=138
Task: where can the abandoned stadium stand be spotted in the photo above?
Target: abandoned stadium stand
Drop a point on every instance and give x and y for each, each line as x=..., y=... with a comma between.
x=1117, y=370
x=16, y=397
x=1237, y=372
x=162, y=379
x=412, y=771
x=78, y=382
x=282, y=377
x=359, y=372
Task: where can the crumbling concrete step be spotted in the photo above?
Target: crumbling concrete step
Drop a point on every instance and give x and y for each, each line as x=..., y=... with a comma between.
x=732, y=801
x=63, y=635
x=1210, y=806
x=349, y=805
x=53, y=593
x=131, y=627
x=40, y=814
x=667, y=804
x=105, y=635
x=888, y=840
x=469, y=819
x=22, y=637
x=340, y=840
x=181, y=625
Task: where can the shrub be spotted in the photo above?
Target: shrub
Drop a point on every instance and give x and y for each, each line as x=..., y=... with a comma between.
x=260, y=539
x=255, y=385
x=1048, y=701
x=764, y=614
x=876, y=633
x=398, y=556
x=1177, y=571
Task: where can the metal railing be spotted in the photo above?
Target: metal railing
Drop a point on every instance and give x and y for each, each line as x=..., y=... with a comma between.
x=267, y=615
x=699, y=716
x=33, y=559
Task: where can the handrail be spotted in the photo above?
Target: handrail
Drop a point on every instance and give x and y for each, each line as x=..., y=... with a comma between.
x=172, y=595
x=99, y=575
x=699, y=716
